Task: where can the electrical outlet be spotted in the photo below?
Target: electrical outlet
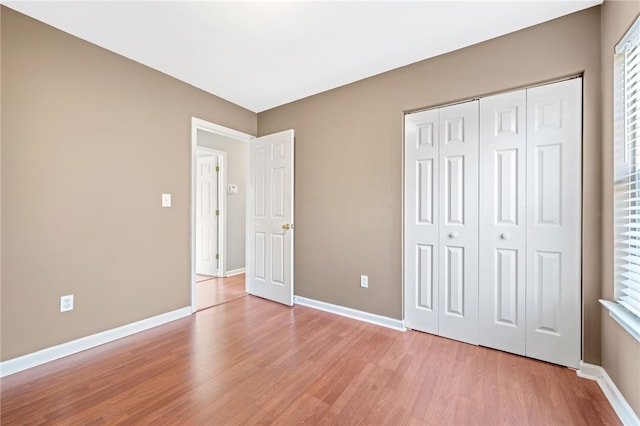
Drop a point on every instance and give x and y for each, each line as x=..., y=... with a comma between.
x=66, y=303
x=364, y=281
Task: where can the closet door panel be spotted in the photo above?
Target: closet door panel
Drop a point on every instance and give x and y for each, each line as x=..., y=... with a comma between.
x=421, y=218
x=503, y=149
x=458, y=233
x=554, y=145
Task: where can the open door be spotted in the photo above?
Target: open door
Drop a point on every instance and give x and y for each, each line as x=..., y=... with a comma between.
x=269, y=269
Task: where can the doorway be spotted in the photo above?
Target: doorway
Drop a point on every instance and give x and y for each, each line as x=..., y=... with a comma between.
x=215, y=146
x=257, y=202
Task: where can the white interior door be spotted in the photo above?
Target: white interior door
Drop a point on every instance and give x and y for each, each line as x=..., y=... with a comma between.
x=458, y=230
x=554, y=200
x=503, y=150
x=421, y=221
x=270, y=218
x=206, y=217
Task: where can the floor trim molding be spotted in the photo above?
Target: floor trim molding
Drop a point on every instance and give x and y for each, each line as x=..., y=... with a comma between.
x=611, y=391
x=33, y=359
x=351, y=313
x=235, y=272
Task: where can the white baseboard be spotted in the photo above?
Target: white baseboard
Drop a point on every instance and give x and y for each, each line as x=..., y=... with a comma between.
x=33, y=359
x=235, y=272
x=611, y=391
x=351, y=313
x=589, y=371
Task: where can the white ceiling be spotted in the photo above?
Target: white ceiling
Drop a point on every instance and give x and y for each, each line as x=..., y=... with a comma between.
x=263, y=54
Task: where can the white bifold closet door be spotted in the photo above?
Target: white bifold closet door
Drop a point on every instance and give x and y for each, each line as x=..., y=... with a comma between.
x=530, y=222
x=554, y=222
x=421, y=220
x=441, y=224
x=503, y=176
x=492, y=238
x=458, y=205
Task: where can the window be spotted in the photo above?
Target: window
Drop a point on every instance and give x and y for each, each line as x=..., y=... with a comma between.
x=626, y=309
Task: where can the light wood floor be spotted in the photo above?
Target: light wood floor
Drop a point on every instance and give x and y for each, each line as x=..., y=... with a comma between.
x=212, y=291
x=251, y=361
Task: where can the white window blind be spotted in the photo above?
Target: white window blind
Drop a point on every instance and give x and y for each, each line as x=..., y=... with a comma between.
x=627, y=172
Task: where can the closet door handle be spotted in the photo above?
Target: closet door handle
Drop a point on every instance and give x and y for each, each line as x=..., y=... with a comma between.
x=453, y=234
x=505, y=236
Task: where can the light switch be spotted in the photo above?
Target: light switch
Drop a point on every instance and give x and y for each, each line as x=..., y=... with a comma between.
x=166, y=200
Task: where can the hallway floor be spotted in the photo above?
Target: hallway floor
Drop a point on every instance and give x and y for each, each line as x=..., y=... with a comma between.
x=212, y=291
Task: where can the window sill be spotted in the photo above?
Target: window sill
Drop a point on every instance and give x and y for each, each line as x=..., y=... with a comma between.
x=624, y=318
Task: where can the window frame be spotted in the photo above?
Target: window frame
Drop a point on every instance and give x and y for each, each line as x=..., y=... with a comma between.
x=626, y=226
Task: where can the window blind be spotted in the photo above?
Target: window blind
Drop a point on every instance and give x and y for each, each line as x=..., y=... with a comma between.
x=627, y=171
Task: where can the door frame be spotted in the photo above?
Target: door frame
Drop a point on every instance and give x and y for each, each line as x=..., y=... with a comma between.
x=221, y=202
x=200, y=124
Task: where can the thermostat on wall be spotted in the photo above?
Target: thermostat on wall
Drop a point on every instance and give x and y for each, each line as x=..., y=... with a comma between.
x=232, y=189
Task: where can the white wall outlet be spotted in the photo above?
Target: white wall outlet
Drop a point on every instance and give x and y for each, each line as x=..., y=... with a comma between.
x=166, y=200
x=66, y=303
x=364, y=281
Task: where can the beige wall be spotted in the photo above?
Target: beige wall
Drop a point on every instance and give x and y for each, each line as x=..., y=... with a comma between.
x=237, y=154
x=348, y=201
x=89, y=142
x=620, y=351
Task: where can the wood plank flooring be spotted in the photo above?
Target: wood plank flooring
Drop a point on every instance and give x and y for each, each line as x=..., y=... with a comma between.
x=212, y=291
x=251, y=361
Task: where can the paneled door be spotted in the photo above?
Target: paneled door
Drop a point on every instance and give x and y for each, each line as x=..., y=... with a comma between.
x=206, y=218
x=503, y=150
x=270, y=218
x=492, y=221
x=421, y=221
x=458, y=230
x=441, y=222
x=554, y=200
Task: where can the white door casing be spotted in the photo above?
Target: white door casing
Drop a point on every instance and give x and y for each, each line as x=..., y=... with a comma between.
x=554, y=200
x=206, y=218
x=270, y=217
x=458, y=230
x=502, y=220
x=421, y=221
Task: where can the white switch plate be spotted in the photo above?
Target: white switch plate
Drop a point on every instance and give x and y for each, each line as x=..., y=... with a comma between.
x=66, y=303
x=364, y=281
x=166, y=200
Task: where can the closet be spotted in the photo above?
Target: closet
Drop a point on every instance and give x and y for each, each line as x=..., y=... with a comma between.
x=492, y=221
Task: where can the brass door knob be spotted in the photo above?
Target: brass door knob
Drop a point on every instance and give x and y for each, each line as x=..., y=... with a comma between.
x=286, y=226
